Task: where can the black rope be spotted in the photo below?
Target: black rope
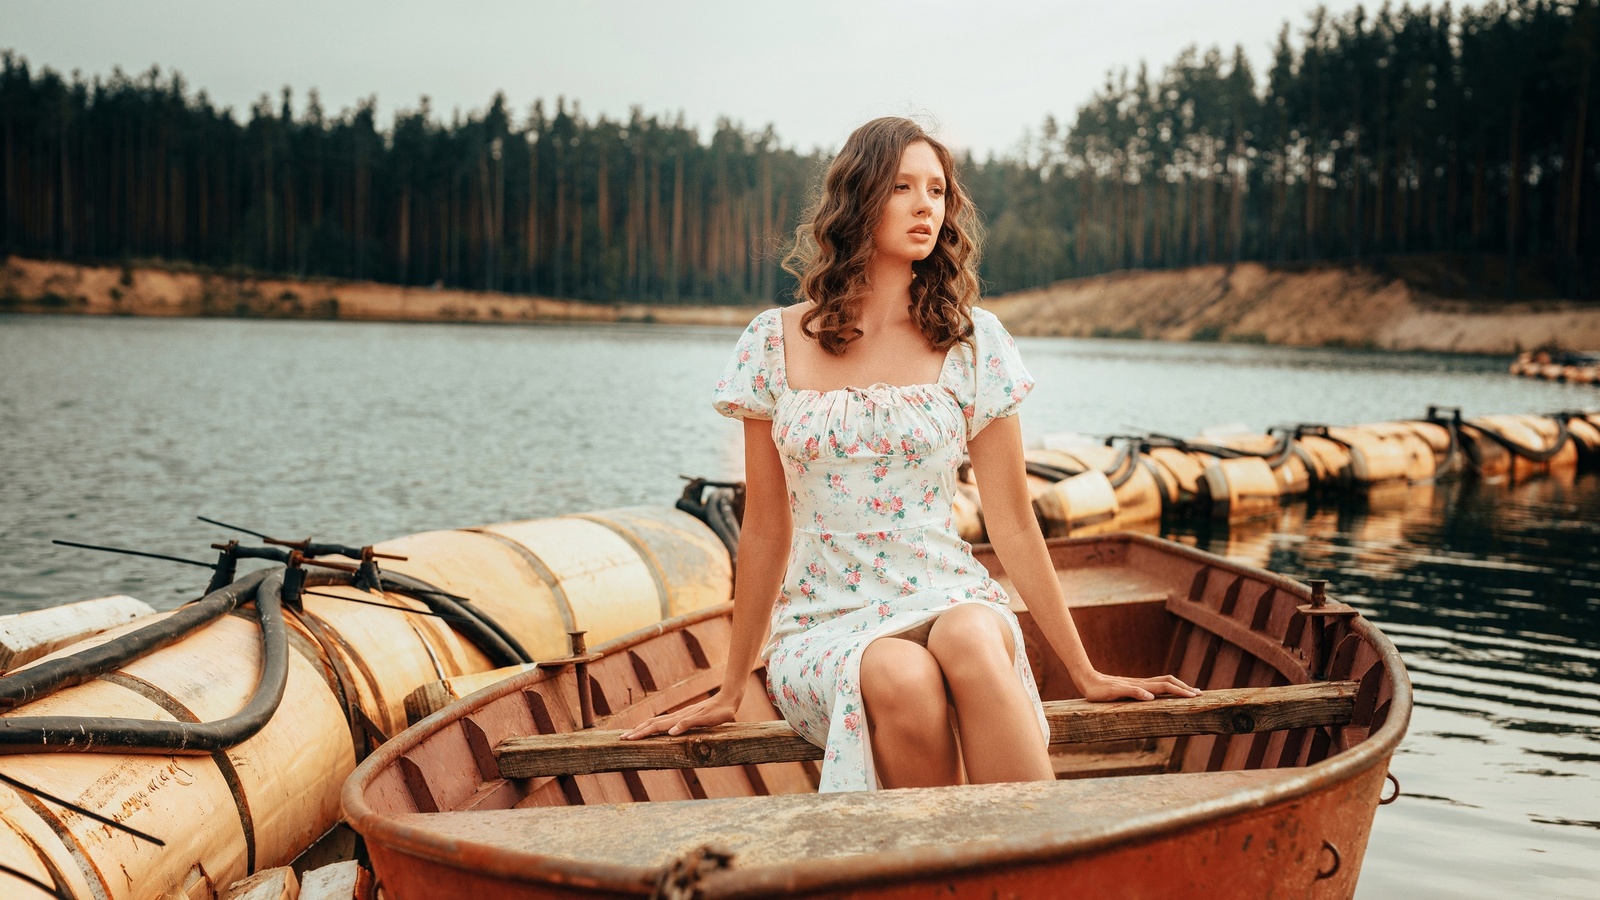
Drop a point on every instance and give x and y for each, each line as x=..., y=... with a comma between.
x=232, y=527
x=404, y=609
x=488, y=635
x=176, y=559
x=50, y=889
x=86, y=813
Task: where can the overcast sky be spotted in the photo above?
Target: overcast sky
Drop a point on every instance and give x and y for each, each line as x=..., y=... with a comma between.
x=984, y=70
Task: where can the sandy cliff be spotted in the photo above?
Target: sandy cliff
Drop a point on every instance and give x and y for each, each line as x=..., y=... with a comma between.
x=29, y=285
x=1307, y=306
x=1315, y=306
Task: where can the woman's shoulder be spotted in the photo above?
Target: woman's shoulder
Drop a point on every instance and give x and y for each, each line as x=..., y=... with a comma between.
x=770, y=321
x=985, y=322
x=989, y=332
x=986, y=333
x=791, y=313
x=766, y=319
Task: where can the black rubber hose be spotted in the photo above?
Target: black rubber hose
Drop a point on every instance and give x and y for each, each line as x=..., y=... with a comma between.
x=1167, y=440
x=1524, y=451
x=1453, y=454
x=93, y=734
x=724, y=521
x=1122, y=467
x=717, y=508
x=1050, y=471
x=476, y=626
x=48, y=677
x=1276, y=453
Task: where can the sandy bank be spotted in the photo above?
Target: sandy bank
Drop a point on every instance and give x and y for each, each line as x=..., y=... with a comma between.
x=1316, y=306
x=1320, y=306
x=29, y=285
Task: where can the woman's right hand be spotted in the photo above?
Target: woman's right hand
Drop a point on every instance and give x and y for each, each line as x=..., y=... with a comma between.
x=714, y=710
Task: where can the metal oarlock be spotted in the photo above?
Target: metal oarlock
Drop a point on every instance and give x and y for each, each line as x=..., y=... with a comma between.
x=1318, y=611
x=579, y=661
x=580, y=672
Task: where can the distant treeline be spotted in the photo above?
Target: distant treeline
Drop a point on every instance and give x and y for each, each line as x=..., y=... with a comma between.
x=1418, y=130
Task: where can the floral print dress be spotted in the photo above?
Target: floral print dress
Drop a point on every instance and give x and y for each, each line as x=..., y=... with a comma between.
x=870, y=473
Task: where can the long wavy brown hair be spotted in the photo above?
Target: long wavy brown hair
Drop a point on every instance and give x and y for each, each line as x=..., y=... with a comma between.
x=833, y=245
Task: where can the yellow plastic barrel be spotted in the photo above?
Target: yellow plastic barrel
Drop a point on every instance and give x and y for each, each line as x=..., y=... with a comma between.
x=1137, y=491
x=1182, y=472
x=1082, y=504
x=1240, y=488
x=1536, y=435
x=263, y=802
x=1586, y=434
x=1379, y=456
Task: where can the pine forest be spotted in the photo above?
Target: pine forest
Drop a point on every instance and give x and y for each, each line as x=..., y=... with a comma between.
x=1465, y=134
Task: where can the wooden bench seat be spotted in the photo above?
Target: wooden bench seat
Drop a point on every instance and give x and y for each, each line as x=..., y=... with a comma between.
x=1239, y=711
x=763, y=831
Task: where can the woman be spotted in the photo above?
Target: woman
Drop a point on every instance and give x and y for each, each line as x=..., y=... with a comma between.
x=858, y=404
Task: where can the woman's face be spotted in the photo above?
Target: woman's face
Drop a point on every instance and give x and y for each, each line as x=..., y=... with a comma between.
x=909, y=226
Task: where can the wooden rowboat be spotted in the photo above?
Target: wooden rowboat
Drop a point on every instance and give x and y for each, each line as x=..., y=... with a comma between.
x=1265, y=785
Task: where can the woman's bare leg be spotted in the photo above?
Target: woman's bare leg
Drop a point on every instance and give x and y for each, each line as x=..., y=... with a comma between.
x=908, y=715
x=1000, y=737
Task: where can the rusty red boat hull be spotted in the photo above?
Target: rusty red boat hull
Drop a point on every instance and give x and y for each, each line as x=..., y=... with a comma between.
x=1297, y=824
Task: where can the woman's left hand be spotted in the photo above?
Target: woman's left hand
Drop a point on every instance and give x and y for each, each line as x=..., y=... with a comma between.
x=1100, y=688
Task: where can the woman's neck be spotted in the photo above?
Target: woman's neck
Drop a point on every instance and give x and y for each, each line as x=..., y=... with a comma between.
x=888, y=297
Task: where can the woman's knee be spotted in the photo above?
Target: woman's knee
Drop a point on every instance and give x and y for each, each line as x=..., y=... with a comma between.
x=972, y=641
x=901, y=679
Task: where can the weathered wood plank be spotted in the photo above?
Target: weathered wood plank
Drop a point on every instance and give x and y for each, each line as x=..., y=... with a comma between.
x=1240, y=711
x=267, y=884
x=25, y=637
x=341, y=881
x=1240, y=635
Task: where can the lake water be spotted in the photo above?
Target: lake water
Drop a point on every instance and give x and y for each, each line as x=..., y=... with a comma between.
x=121, y=431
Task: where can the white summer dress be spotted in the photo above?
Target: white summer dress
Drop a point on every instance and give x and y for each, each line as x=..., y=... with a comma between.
x=871, y=473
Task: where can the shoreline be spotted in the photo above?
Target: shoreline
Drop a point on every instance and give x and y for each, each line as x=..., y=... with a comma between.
x=1329, y=305
x=51, y=287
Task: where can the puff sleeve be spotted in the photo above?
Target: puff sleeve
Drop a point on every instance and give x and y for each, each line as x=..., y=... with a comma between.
x=996, y=380
x=747, y=388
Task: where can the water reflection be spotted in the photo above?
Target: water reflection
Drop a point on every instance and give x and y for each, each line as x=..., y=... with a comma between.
x=1492, y=594
x=120, y=431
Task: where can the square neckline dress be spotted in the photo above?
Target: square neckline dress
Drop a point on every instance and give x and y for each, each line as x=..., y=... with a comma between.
x=870, y=473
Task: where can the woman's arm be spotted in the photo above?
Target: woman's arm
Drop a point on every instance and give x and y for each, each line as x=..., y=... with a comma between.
x=763, y=558
x=998, y=464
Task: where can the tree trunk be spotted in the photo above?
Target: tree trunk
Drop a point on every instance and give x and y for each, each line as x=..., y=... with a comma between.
x=675, y=269
x=405, y=233
x=1513, y=192
x=1575, y=187
x=1236, y=199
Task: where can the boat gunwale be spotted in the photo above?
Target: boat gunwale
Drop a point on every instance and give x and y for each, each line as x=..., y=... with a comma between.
x=888, y=865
